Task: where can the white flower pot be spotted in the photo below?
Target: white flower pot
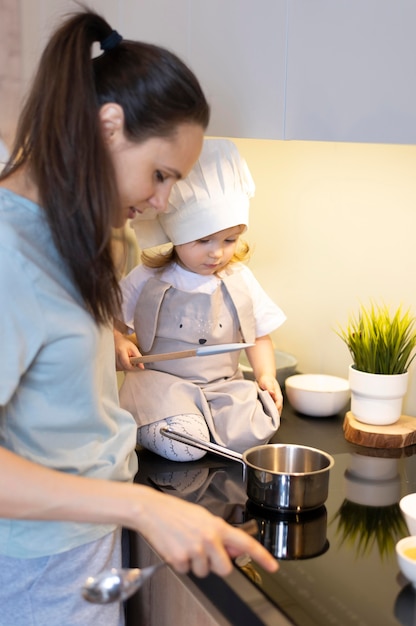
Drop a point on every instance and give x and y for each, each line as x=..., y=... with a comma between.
x=377, y=398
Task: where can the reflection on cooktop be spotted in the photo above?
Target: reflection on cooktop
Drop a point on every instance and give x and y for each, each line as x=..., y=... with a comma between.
x=405, y=606
x=290, y=535
x=337, y=563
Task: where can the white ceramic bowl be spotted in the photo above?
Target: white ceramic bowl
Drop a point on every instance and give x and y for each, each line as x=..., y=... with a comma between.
x=406, y=557
x=317, y=395
x=408, y=508
x=286, y=365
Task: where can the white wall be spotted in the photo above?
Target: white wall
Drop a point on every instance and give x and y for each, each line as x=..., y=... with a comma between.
x=332, y=225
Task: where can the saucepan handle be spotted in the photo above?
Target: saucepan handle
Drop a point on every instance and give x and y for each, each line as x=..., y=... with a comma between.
x=203, y=445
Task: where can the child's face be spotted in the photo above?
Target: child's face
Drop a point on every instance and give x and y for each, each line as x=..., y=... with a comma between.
x=212, y=253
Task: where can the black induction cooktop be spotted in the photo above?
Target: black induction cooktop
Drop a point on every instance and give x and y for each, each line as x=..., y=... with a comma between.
x=354, y=578
x=337, y=562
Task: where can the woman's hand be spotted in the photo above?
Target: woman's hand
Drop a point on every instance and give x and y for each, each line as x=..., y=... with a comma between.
x=190, y=538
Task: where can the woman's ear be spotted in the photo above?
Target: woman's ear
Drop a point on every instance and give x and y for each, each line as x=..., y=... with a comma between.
x=112, y=121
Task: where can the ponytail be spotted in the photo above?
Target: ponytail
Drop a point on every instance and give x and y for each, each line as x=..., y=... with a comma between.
x=59, y=139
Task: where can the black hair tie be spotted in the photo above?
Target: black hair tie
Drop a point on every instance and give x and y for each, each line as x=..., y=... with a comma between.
x=111, y=41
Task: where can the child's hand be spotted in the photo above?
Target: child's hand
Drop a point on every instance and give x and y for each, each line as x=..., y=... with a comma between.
x=270, y=384
x=125, y=349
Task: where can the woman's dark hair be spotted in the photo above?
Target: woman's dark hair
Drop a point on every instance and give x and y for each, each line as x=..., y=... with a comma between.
x=59, y=138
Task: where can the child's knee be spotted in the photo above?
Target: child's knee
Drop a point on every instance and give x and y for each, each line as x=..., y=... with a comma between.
x=150, y=437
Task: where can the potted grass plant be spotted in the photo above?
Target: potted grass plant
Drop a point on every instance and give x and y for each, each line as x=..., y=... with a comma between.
x=382, y=345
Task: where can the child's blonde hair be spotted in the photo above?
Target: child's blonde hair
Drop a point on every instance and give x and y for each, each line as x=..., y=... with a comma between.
x=157, y=259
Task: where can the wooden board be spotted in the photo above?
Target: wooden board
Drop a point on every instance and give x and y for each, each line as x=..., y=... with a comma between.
x=398, y=435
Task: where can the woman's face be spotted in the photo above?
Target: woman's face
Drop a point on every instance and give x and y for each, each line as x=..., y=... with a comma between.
x=147, y=171
x=210, y=254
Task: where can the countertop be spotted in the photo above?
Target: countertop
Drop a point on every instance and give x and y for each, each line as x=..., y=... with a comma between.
x=218, y=484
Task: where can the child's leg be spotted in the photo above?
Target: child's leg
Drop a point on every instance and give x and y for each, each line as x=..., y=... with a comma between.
x=151, y=438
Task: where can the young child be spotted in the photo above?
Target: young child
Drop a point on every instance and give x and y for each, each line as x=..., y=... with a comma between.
x=200, y=293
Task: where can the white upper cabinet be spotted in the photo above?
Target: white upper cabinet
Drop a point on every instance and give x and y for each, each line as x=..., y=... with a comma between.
x=325, y=70
x=161, y=22
x=238, y=50
x=351, y=71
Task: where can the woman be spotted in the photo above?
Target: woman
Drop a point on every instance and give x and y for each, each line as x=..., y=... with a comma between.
x=98, y=141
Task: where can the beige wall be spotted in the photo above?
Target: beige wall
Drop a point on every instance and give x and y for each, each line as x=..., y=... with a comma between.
x=332, y=225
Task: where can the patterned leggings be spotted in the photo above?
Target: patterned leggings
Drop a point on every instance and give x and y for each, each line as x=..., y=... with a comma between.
x=151, y=438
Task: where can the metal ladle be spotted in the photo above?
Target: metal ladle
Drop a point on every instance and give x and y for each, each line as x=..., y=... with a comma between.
x=116, y=585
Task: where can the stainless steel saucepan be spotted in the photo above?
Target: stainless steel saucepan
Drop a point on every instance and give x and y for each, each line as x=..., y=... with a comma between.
x=279, y=476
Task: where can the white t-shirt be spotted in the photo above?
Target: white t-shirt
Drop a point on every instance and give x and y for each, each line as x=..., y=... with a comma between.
x=268, y=316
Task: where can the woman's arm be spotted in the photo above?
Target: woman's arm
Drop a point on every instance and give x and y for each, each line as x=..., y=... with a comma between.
x=186, y=535
x=261, y=359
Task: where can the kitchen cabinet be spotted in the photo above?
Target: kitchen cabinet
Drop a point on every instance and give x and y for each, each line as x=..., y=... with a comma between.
x=279, y=69
x=351, y=71
x=169, y=598
x=236, y=48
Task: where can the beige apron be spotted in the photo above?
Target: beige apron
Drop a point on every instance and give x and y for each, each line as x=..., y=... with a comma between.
x=238, y=413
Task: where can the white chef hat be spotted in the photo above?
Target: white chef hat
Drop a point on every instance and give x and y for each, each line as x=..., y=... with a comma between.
x=214, y=196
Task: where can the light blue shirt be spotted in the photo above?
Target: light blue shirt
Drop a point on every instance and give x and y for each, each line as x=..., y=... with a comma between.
x=58, y=389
